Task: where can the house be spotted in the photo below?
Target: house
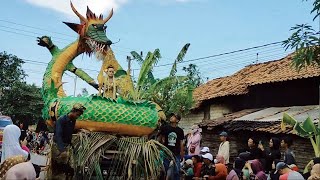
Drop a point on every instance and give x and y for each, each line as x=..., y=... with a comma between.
x=252, y=102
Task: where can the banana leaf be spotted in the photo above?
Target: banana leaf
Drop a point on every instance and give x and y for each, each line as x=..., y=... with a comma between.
x=120, y=73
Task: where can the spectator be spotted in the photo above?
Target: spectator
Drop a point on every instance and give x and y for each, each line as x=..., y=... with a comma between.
x=272, y=154
x=194, y=140
x=315, y=172
x=286, y=173
x=273, y=175
x=172, y=137
x=255, y=152
x=289, y=157
x=11, y=146
x=24, y=142
x=207, y=169
x=224, y=146
x=189, y=169
x=23, y=170
x=256, y=170
x=314, y=161
x=221, y=171
x=197, y=164
x=236, y=173
x=204, y=151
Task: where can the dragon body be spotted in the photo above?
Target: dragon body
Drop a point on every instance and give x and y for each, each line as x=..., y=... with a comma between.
x=102, y=114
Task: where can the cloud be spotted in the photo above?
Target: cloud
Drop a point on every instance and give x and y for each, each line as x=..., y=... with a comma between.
x=63, y=6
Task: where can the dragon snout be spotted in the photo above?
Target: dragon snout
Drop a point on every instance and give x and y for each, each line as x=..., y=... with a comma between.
x=108, y=43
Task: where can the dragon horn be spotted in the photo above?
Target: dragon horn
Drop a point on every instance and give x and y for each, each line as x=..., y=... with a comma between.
x=107, y=18
x=82, y=19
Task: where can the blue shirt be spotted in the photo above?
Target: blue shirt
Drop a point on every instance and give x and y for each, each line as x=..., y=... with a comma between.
x=63, y=132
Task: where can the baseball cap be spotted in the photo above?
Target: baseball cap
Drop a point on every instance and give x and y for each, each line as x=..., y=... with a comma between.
x=176, y=115
x=280, y=165
x=205, y=149
x=223, y=133
x=207, y=156
x=189, y=162
x=79, y=107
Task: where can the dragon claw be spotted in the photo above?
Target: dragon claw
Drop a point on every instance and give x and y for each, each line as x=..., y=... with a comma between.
x=44, y=41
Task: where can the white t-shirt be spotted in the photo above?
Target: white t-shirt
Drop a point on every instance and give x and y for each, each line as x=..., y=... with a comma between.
x=224, y=151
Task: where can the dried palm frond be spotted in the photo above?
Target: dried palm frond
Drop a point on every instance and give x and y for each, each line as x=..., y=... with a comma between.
x=140, y=158
x=90, y=147
x=137, y=157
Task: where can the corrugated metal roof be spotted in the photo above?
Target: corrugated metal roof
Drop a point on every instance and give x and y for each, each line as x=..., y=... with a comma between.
x=276, y=113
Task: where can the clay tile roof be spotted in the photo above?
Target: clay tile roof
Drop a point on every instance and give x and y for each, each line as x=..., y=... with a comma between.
x=238, y=83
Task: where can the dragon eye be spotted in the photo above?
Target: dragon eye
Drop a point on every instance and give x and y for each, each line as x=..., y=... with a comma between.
x=94, y=26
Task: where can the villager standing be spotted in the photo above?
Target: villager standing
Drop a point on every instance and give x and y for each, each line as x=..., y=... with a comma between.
x=289, y=157
x=172, y=137
x=255, y=152
x=194, y=140
x=62, y=149
x=224, y=147
x=272, y=154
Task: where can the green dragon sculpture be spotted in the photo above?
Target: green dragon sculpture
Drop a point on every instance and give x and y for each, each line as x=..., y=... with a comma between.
x=103, y=114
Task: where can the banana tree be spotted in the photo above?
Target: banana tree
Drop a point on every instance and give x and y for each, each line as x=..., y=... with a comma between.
x=161, y=90
x=145, y=78
x=305, y=129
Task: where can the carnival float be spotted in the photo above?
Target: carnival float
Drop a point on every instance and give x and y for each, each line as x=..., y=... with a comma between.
x=112, y=120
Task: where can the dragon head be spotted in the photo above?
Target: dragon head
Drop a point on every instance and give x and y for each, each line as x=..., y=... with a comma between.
x=92, y=31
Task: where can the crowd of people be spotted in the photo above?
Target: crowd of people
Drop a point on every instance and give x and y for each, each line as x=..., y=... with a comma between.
x=256, y=162
x=15, y=157
x=191, y=161
x=38, y=143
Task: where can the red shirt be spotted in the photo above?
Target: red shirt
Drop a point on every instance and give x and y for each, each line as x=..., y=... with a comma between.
x=197, y=169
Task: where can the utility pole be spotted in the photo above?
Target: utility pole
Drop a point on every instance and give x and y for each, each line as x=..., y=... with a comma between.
x=75, y=86
x=129, y=59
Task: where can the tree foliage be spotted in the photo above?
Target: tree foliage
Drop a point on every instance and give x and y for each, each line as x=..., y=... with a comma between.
x=19, y=100
x=193, y=74
x=10, y=70
x=173, y=93
x=305, y=41
x=22, y=102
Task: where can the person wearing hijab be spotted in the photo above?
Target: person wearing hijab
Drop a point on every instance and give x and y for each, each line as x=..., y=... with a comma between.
x=10, y=162
x=11, y=145
x=23, y=170
x=221, y=168
x=236, y=173
x=12, y=153
x=273, y=153
x=256, y=170
x=194, y=141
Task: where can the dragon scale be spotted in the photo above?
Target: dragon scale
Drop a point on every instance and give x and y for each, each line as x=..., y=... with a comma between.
x=102, y=114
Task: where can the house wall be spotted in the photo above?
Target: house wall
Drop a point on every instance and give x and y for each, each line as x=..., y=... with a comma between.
x=208, y=112
x=219, y=110
x=238, y=141
x=297, y=92
x=191, y=119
